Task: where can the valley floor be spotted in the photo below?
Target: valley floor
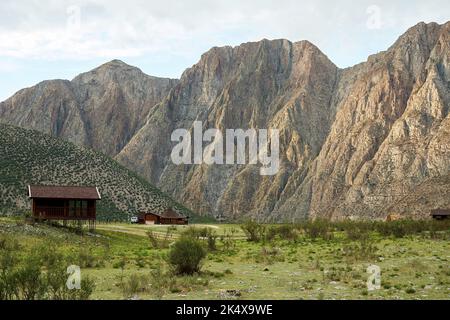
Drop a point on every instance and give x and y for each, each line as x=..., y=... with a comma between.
x=122, y=263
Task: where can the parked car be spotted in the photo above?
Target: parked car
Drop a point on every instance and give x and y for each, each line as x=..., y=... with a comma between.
x=134, y=219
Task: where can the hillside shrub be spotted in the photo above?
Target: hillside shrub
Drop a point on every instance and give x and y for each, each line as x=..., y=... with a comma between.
x=228, y=241
x=203, y=234
x=136, y=283
x=38, y=273
x=363, y=249
x=253, y=230
x=270, y=255
x=358, y=231
x=319, y=228
x=186, y=255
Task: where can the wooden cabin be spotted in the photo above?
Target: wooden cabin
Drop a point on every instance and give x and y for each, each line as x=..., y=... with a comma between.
x=169, y=216
x=63, y=202
x=440, y=214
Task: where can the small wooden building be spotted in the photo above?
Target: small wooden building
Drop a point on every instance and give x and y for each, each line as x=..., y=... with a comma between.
x=169, y=216
x=64, y=202
x=440, y=214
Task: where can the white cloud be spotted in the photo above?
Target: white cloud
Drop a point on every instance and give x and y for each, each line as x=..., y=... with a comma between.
x=8, y=67
x=61, y=38
x=86, y=29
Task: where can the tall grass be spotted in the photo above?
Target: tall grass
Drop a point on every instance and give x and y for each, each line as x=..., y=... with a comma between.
x=37, y=273
x=353, y=230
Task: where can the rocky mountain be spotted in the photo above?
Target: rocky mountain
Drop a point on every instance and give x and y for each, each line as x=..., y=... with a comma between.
x=389, y=147
x=267, y=84
x=101, y=109
x=364, y=141
x=31, y=157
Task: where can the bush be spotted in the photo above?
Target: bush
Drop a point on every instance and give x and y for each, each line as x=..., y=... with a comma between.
x=287, y=232
x=284, y=232
x=135, y=284
x=204, y=234
x=196, y=233
x=29, y=280
x=87, y=288
x=228, y=241
x=253, y=230
x=318, y=228
x=8, y=261
x=154, y=241
x=159, y=242
x=270, y=255
x=85, y=258
x=410, y=290
x=398, y=228
x=358, y=231
x=402, y=228
x=364, y=249
x=186, y=256
x=158, y=282
x=40, y=273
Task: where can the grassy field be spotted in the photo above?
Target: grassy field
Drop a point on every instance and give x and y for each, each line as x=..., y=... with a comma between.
x=123, y=263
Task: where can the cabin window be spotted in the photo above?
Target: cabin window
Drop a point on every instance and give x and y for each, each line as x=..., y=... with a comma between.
x=84, y=208
x=71, y=208
x=78, y=208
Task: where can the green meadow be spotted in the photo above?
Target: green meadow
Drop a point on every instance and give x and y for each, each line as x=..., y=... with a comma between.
x=311, y=260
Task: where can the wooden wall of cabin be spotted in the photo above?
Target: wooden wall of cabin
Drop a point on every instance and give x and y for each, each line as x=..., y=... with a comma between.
x=64, y=209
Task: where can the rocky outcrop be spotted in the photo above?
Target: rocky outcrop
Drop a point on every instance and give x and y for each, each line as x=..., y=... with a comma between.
x=391, y=136
x=365, y=141
x=354, y=142
x=267, y=84
x=101, y=109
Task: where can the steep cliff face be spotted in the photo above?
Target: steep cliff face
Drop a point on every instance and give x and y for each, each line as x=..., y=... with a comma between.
x=355, y=142
x=268, y=84
x=101, y=109
x=364, y=141
x=390, y=138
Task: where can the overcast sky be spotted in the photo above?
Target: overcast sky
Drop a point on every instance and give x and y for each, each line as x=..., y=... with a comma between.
x=48, y=39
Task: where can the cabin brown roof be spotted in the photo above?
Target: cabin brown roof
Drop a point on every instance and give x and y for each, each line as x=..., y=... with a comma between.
x=64, y=192
x=171, y=214
x=440, y=212
x=168, y=213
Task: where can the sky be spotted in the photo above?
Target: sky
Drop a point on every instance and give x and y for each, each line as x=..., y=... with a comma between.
x=54, y=39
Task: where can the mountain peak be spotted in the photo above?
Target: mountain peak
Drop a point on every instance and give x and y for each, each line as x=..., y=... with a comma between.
x=421, y=33
x=116, y=62
x=114, y=69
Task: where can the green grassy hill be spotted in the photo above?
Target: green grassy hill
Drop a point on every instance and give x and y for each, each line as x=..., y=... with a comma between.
x=30, y=157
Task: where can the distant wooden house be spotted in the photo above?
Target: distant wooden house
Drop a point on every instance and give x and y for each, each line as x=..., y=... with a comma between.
x=440, y=214
x=64, y=202
x=169, y=216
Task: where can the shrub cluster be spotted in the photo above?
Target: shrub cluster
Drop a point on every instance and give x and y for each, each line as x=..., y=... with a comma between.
x=253, y=230
x=202, y=234
x=186, y=255
x=313, y=229
x=354, y=230
x=40, y=274
x=402, y=228
x=160, y=242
